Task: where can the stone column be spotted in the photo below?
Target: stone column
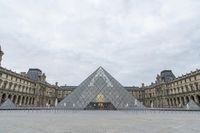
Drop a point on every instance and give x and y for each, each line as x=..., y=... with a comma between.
x=16, y=100
x=20, y=102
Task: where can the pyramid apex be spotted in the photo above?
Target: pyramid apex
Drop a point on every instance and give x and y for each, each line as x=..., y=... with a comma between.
x=100, y=67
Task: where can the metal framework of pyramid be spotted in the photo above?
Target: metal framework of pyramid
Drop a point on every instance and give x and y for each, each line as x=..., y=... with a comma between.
x=101, y=86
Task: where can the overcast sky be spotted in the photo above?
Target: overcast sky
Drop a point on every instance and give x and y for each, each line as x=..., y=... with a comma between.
x=132, y=39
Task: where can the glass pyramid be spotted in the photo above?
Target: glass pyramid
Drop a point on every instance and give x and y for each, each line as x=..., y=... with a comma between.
x=100, y=87
x=191, y=105
x=8, y=104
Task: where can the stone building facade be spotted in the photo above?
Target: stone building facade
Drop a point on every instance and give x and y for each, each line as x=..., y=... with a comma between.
x=169, y=91
x=31, y=89
x=25, y=92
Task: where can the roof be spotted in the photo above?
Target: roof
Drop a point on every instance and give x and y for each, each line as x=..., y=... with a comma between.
x=35, y=69
x=68, y=87
x=15, y=74
x=130, y=88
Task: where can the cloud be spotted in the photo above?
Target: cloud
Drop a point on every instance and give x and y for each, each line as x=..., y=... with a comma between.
x=133, y=39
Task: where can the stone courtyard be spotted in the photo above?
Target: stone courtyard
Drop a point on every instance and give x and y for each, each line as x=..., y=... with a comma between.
x=99, y=122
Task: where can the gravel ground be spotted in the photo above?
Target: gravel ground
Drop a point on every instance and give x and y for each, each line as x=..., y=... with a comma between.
x=99, y=122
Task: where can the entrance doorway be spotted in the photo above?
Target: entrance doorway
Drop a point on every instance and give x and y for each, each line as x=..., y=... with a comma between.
x=100, y=106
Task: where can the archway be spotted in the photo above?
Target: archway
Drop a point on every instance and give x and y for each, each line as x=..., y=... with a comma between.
x=3, y=98
x=18, y=100
x=23, y=100
x=175, y=103
x=192, y=98
x=171, y=101
x=187, y=99
x=14, y=99
x=10, y=96
x=198, y=98
x=178, y=100
x=182, y=100
x=26, y=101
x=49, y=102
x=33, y=101
x=168, y=102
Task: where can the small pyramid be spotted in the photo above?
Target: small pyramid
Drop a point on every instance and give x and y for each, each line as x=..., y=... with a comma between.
x=192, y=105
x=8, y=104
x=102, y=87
